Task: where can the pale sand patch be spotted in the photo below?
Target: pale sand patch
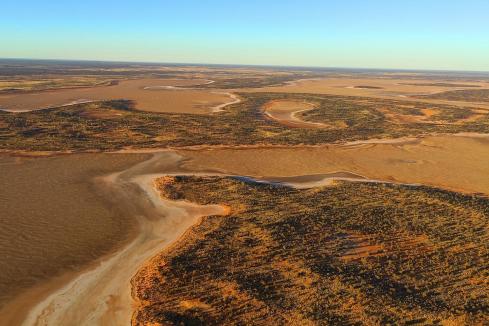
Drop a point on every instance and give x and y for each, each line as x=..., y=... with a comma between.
x=101, y=295
x=154, y=95
x=457, y=163
x=286, y=111
x=428, y=113
x=234, y=99
x=54, y=220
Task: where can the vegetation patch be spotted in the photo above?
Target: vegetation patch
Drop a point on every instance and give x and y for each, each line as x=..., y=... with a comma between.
x=441, y=85
x=352, y=253
x=98, y=126
x=465, y=95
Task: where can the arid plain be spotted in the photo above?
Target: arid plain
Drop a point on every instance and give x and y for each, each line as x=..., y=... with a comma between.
x=152, y=194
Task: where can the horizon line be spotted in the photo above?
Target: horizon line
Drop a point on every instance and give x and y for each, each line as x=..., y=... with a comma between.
x=246, y=65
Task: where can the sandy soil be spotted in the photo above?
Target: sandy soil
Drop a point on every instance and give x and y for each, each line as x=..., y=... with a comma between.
x=75, y=303
x=155, y=95
x=286, y=112
x=234, y=99
x=101, y=295
x=315, y=180
x=387, y=88
x=53, y=219
x=457, y=163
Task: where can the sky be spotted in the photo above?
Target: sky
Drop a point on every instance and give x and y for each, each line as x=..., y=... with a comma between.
x=396, y=34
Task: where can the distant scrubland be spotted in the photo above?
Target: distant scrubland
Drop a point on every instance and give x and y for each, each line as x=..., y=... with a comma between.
x=114, y=125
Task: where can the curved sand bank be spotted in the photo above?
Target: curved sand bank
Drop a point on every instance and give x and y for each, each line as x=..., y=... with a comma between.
x=184, y=85
x=286, y=111
x=318, y=180
x=102, y=295
x=55, y=221
x=235, y=99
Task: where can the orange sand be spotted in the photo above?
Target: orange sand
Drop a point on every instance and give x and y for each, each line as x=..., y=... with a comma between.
x=160, y=95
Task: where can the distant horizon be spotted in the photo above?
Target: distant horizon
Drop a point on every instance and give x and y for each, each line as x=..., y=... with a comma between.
x=435, y=35
x=241, y=65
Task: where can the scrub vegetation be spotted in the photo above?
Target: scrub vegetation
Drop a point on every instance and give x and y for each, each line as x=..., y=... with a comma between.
x=351, y=253
x=466, y=95
x=113, y=125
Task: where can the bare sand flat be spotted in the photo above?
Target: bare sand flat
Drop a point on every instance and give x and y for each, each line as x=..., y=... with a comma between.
x=154, y=95
x=100, y=294
x=377, y=88
x=457, y=163
x=286, y=112
x=76, y=303
x=55, y=219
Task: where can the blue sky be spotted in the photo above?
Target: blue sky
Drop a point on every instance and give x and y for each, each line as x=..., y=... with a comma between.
x=429, y=34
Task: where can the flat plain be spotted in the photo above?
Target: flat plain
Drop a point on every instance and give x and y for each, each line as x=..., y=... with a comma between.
x=154, y=95
x=322, y=196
